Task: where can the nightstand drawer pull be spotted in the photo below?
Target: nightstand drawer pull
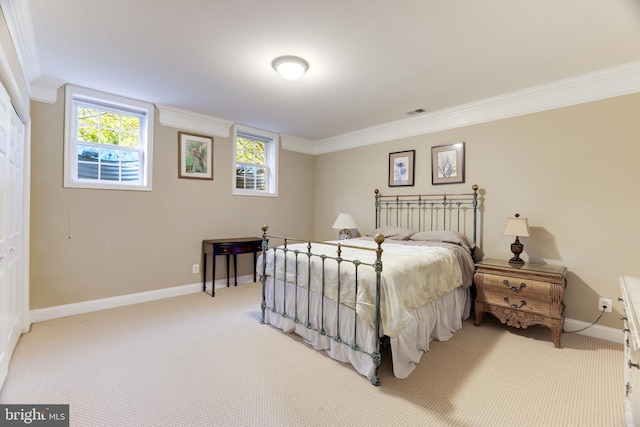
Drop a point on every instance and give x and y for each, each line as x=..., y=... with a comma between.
x=514, y=288
x=514, y=306
x=634, y=365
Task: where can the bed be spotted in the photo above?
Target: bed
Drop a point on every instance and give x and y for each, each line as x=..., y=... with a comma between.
x=406, y=282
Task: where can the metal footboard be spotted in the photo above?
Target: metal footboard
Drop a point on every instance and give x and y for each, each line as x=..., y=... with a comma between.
x=292, y=313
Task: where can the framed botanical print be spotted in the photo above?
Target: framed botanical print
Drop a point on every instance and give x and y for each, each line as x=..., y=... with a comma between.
x=402, y=168
x=447, y=163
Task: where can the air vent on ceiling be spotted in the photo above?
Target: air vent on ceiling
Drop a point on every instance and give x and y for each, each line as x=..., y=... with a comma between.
x=416, y=111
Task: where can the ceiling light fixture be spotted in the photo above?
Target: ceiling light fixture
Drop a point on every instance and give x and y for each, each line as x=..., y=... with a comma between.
x=290, y=67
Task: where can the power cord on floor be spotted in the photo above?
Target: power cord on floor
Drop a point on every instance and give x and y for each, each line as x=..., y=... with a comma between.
x=604, y=307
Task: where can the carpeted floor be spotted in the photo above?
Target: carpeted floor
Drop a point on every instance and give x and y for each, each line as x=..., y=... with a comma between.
x=199, y=361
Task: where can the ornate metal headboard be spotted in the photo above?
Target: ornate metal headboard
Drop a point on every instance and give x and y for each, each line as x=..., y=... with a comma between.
x=423, y=212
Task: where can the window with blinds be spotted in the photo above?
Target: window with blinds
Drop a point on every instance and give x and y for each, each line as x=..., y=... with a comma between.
x=255, y=156
x=107, y=141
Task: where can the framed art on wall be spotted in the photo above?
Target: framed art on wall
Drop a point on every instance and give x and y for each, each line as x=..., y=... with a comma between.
x=447, y=163
x=402, y=168
x=195, y=156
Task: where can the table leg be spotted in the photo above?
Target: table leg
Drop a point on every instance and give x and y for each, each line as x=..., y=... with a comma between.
x=227, y=270
x=235, y=270
x=556, y=333
x=255, y=260
x=204, y=268
x=478, y=311
x=213, y=272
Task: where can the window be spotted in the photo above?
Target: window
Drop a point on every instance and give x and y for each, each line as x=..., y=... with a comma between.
x=256, y=162
x=108, y=141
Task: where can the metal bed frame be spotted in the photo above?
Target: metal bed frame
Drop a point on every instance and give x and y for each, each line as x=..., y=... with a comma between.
x=420, y=212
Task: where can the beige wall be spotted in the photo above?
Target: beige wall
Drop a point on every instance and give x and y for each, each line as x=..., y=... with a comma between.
x=128, y=241
x=572, y=171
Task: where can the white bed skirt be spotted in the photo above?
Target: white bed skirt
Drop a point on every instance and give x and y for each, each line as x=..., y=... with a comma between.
x=437, y=320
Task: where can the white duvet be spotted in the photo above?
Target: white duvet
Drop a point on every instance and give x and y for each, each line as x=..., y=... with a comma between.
x=412, y=276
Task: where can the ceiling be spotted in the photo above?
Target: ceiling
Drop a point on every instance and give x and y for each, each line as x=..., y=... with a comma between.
x=371, y=61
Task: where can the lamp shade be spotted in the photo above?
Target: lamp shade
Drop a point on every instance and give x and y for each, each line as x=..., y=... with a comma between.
x=517, y=227
x=344, y=221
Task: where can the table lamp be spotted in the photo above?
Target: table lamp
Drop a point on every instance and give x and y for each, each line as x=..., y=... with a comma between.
x=345, y=224
x=518, y=227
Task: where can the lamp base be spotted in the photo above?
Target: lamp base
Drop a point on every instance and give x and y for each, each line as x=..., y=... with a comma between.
x=516, y=249
x=344, y=234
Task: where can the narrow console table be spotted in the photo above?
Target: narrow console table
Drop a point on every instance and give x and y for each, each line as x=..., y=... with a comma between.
x=228, y=247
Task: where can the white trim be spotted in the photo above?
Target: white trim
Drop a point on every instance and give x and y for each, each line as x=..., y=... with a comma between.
x=45, y=89
x=272, y=159
x=18, y=93
x=56, y=312
x=611, y=82
x=18, y=18
x=42, y=314
x=70, y=164
x=595, y=331
x=26, y=230
x=195, y=122
x=300, y=145
x=608, y=83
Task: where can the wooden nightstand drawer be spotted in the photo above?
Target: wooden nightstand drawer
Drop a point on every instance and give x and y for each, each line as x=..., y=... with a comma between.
x=521, y=295
x=516, y=284
x=535, y=303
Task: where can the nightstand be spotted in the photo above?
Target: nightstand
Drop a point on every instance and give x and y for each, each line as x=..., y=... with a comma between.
x=521, y=295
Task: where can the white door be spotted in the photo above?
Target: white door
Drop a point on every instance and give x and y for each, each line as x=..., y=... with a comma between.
x=11, y=228
x=4, y=238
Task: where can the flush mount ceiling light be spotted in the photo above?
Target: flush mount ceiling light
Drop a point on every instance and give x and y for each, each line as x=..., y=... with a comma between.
x=290, y=67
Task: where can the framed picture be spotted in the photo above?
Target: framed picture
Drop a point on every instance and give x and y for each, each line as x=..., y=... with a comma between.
x=401, y=168
x=195, y=156
x=447, y=163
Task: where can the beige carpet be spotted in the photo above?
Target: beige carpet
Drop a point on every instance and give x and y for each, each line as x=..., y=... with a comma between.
x=200, y=361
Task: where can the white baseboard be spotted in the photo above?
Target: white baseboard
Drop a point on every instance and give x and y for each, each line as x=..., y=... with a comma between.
x=595, y=331
x=49, y=313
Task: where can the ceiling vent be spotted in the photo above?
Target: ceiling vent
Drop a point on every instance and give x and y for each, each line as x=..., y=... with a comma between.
x=416, y=111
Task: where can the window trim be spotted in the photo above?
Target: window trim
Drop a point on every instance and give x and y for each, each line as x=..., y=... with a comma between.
x=272, y=153
x=70, y=144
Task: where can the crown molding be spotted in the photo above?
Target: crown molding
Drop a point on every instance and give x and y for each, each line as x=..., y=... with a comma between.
x=45, y=89
x=608, y=83
x=611, y=82
x=300, y=145
x=195, y=122
x=18, y=17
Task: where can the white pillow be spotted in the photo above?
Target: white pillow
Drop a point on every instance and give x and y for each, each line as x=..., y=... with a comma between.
x=392, y=233
x=447, y=236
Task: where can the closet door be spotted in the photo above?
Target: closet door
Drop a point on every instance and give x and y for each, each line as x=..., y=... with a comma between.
x=5, y=354
x=11, y=228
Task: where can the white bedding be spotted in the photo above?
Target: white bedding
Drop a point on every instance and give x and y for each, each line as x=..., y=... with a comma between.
x=424, y=296
x=412, y=276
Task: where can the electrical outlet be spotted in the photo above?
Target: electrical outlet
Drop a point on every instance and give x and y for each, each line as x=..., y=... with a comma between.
x=196, y=268
x=604, y=302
